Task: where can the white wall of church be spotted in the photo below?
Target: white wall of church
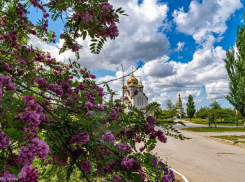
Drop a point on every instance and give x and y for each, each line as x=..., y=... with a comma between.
x=140, y=100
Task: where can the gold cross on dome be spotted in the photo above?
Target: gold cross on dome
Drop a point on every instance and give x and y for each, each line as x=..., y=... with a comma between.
x=132, y=69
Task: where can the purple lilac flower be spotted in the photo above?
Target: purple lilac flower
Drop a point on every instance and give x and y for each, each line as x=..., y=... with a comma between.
x=125, y=148
x=148, y=128
x=42, y=148
x=127, y=163
x=4, y=141
x=89, y=105
x=113, y=114
x=142, y=175
x=116, y=178
x=37, y=149
x=137, y=165
x=89, y=113
x=108, y=137
x=161, y=136
x=59, y=91
x=165, y=179
x=92, y=76
x=86, y=166
x=28, y=174
x=138, y=139
x=80, y=138
x=52, y=87
x=151, y=119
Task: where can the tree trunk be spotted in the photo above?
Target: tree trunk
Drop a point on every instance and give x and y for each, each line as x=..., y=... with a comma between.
x=244, y=121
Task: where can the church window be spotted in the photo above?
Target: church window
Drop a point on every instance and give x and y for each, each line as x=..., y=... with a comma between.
x=142, y=101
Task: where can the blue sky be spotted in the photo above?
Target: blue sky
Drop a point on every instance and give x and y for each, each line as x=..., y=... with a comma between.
x=182, y=44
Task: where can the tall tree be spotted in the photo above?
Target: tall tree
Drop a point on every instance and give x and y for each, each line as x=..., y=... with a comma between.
x=171, y=108
x=190, y=107
x=214, y=108
x=235, y=66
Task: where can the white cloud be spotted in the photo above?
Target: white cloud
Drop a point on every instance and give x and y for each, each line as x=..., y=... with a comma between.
x=205, y=18
x=217, y=90
x=138, y=39
x=180, y=47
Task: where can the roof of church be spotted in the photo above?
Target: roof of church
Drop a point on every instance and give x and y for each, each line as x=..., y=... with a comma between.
x=136, y=92
x=132, y=80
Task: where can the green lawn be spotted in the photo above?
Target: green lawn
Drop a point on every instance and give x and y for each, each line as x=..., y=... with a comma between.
x=212, y=129
x=234, y=138
x=205, y=122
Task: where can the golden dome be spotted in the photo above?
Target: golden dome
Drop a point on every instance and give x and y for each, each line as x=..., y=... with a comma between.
x=141, y=86
x=125, y=86
x=133, y=80
x=179, y=94
x=131, y=84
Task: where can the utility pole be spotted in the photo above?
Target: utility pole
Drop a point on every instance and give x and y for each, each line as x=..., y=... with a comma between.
x=122, y=86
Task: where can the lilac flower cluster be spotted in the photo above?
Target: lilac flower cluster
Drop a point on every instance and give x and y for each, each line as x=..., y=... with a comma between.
x=80, y=138
x=125, y=148
x=127, y=163
x=114, y=115
x=28, y=174
x=161, y=136
x=4, y=141
x=7, y=82
x=116, y=178
x=148, y=128
x=86, y=166
x=108, y=137
x=38, y=148
x=151, y=119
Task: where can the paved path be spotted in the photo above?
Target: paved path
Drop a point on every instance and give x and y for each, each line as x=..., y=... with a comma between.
x=193, y=125
x=204, y=160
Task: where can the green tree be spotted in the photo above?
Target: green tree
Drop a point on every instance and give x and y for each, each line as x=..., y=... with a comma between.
x=203, y=113
x=235, y=66
x=215, y=105
x=171, y=108
x=214, y=112
x=190, y=107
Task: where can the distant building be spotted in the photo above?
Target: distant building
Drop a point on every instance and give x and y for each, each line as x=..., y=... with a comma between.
x=179, y=109
x=134, y=94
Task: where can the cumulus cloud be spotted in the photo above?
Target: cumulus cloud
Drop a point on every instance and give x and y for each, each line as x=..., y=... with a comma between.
x=205, y=18
x=217, y=90
x=138, y=39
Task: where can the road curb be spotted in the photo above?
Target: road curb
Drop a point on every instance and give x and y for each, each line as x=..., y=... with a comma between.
x=183, y=177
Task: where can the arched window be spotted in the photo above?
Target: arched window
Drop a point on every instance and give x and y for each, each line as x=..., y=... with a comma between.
x=142, y=101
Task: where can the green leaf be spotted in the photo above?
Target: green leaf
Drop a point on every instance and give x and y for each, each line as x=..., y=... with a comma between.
x=14, y=170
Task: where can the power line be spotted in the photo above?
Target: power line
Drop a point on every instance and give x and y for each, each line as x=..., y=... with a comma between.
x=122, y=76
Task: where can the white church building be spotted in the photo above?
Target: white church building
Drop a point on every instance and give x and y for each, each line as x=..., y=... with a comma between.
x=134, y=94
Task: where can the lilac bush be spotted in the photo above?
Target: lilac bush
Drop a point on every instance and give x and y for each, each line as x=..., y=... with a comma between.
x=55, y=122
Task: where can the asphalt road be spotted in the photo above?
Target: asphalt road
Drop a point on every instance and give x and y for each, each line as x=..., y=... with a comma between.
x=204, y=160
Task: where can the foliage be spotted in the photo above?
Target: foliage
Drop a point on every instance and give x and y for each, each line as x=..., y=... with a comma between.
x=171, y=108
x=190, y=107
x=55, y=124
x=203, y=113
x=235, y=66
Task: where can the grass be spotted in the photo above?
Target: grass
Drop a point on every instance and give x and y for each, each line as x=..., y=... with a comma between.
x=212, y=129
x=166, y=121
x=234, y=138
x=205, y=122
